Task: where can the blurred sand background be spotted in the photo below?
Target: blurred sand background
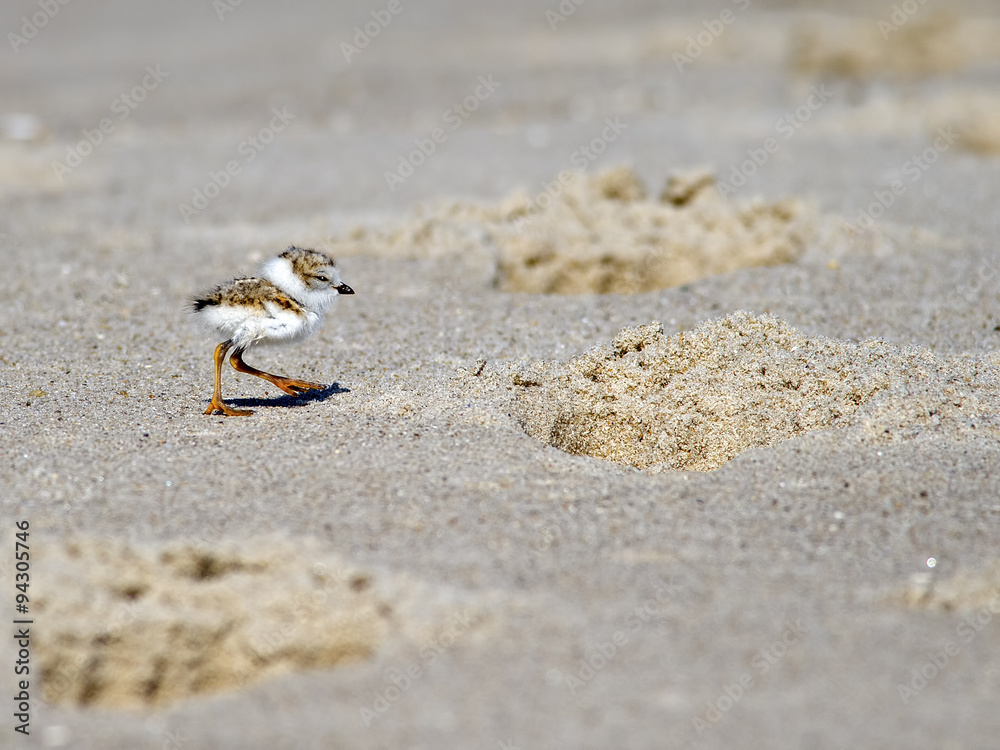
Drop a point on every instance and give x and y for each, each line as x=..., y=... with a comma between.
x=654, y=462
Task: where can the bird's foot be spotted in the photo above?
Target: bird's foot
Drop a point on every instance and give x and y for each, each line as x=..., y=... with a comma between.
x=294, y=387
x=218, y=405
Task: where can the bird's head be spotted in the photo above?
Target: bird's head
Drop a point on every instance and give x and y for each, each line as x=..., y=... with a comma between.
x=309, y=276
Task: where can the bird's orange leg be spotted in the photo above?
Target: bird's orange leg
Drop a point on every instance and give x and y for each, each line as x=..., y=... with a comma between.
x=217, y=404
x=290, y=386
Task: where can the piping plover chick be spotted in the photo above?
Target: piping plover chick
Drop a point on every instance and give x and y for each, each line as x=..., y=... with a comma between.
x=285, y=303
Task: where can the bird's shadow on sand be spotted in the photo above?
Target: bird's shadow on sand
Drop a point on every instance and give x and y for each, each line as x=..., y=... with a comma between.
x=289, y=401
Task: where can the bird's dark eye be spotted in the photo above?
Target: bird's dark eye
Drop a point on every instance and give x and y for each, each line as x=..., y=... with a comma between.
x=321, y=278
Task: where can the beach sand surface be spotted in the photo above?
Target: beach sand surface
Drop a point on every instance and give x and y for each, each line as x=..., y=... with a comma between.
x=666, y=412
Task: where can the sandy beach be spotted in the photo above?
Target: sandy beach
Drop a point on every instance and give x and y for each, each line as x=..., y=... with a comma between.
x=666, y=413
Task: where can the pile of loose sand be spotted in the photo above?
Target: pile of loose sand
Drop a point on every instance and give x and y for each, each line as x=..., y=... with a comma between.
x=600, y=234
x=968, y=117
x=700, y=398
x=968, y=590
x=888, y=42
x=24, y=170
x=975, y=118
x=905, y=45
x=129, y=627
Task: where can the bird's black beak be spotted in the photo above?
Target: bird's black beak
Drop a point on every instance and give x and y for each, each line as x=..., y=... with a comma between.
x=344, y=289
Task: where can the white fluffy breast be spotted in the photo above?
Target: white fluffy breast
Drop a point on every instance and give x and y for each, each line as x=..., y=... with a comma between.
x=247, y=327
x=284, y=326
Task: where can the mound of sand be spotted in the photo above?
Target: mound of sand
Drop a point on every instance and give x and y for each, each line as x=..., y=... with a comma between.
x=862, y=48
x=23, y=169
x=700, y=398
x=967, y=591
x=885, y=42
x=970, y=114
x=975, y=118
x=130, y=627
x=600, y=234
